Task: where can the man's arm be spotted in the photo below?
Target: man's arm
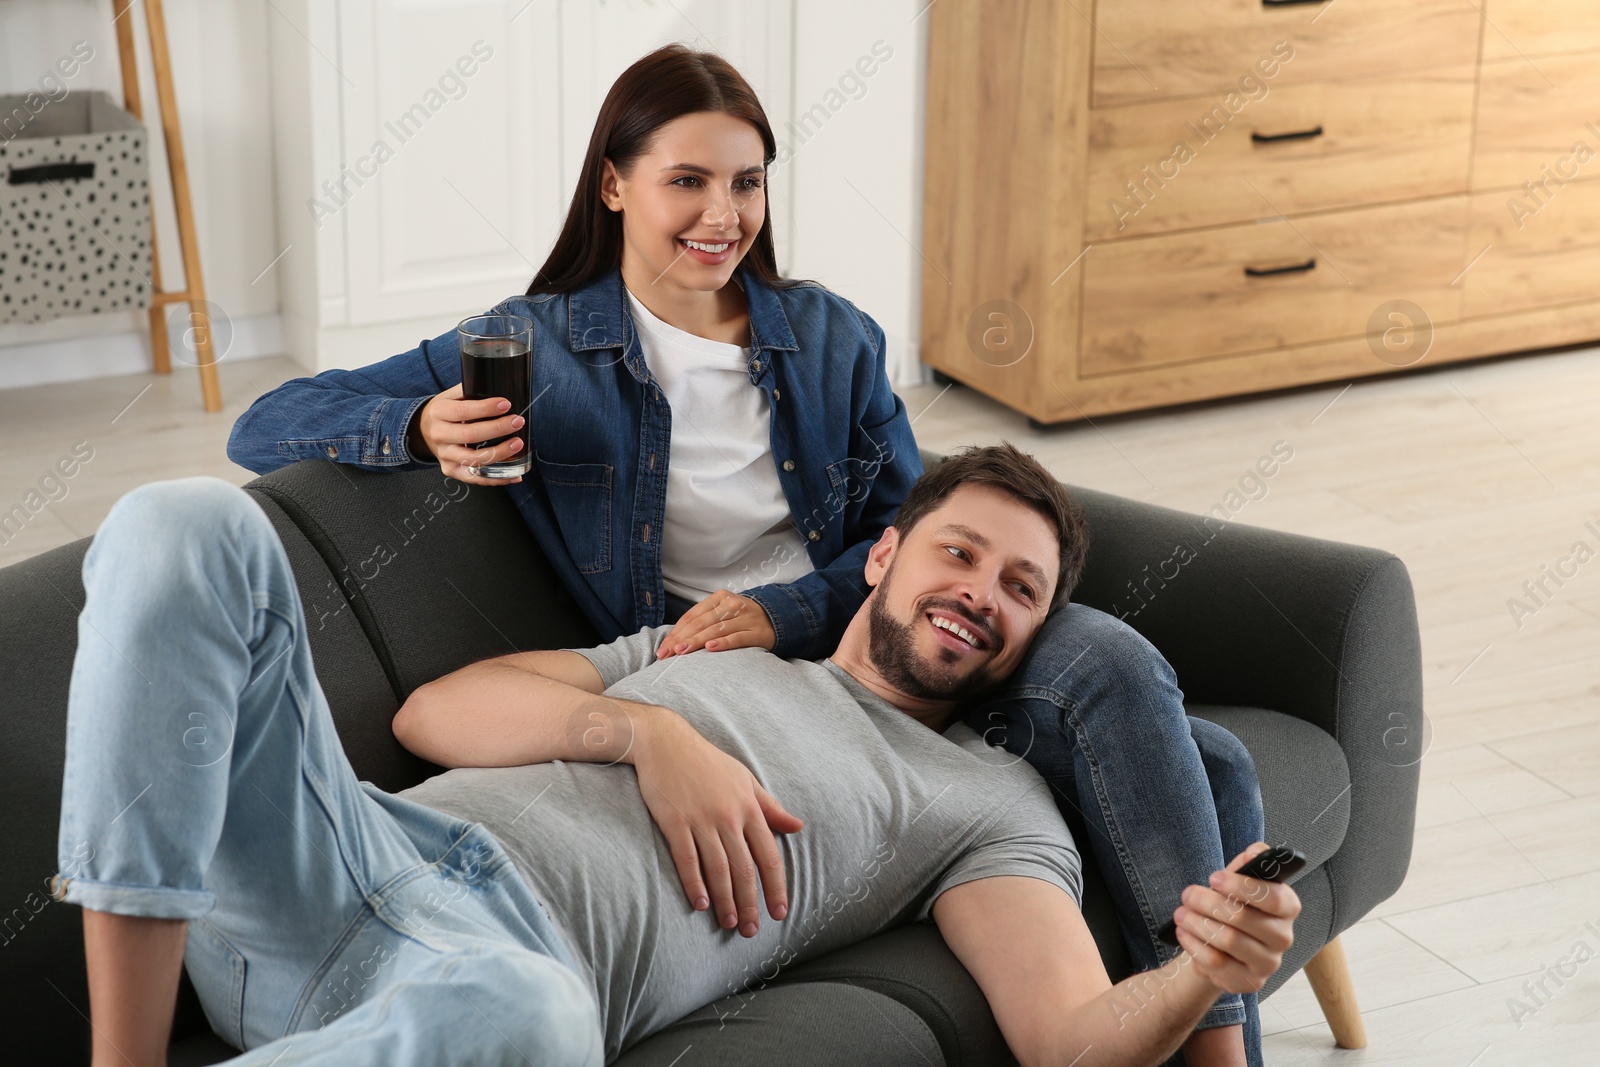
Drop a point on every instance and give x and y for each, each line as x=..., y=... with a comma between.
x=528, y=707
x=1025, y=943
x=538, y=707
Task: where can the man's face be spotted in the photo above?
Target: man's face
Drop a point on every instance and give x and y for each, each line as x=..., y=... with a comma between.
x=961, y=595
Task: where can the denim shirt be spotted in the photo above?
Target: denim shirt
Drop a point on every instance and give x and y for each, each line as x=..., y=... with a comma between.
x=595, y=498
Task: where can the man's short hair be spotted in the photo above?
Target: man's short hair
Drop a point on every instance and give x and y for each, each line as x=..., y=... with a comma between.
x=1012, y=471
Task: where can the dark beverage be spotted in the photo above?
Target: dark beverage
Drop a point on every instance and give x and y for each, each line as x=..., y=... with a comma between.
x=496, y=360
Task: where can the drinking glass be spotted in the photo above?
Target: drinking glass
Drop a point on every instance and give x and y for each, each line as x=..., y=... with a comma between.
x=497, y=361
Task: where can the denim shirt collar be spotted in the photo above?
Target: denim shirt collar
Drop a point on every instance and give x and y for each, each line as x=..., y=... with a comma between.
x=598, y=317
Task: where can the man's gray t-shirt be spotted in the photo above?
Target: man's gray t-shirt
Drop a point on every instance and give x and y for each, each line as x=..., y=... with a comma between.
x=895, y=814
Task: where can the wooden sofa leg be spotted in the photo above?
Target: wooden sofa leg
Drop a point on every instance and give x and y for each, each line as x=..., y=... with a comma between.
x=1330, y=981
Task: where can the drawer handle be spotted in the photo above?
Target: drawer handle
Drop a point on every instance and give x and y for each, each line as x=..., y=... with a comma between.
x=1286, y=3
x=49, y=172
x=1298, y=268
x=1297, y=135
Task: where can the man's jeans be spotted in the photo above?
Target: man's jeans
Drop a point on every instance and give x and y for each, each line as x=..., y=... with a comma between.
x=1159, y=798
x=328, y=921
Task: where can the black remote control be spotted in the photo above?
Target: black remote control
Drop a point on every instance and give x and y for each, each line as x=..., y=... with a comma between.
x=1278, y=863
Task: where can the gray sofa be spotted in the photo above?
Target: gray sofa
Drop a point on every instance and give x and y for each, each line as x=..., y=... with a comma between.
x=1306, y=649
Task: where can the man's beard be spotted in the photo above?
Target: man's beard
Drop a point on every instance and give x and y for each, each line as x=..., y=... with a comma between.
x=892, y=648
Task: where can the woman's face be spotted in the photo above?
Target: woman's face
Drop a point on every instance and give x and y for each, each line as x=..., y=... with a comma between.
x=693, y=204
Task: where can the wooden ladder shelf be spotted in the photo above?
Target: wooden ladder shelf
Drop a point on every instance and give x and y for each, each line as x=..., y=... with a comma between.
x=194, y=291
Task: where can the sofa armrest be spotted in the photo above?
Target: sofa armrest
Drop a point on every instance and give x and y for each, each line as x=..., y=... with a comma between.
x=1324, y=631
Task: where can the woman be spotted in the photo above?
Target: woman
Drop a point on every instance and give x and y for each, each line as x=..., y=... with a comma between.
x=663, y=331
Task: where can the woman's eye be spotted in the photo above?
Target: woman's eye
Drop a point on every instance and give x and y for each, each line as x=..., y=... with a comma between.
x=744, y=185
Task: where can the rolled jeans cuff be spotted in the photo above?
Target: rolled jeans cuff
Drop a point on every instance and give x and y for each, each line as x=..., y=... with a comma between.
x=1227, y=1011
x=143, y=901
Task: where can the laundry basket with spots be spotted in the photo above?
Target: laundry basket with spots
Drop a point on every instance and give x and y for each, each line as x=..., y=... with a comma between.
x=74, y=208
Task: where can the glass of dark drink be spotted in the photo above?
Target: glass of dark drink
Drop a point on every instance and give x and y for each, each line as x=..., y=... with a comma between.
x=497, y=361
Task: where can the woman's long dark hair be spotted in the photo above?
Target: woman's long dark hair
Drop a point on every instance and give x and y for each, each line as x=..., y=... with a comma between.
x=668, y=83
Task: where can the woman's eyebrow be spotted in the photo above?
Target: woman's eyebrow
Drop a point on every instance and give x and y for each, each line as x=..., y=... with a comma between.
x=693, y=168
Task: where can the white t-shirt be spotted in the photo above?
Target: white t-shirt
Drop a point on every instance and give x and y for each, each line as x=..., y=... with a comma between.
x=727, y=522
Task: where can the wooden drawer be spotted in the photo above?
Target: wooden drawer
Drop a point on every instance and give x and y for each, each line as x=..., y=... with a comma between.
x=1193, y=163
x=1520, y=28
x=1155, y=49
x=1156, y=301
x=1539, y=254
x=1532, y=121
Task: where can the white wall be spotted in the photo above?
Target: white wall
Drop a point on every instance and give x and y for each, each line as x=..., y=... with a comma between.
x=858, y=176
x=220, y=73
x=860, y=241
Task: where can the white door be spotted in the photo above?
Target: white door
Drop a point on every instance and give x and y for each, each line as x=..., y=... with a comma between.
x=465, y=123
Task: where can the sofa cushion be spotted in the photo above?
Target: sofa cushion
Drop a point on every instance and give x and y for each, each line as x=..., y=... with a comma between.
x=1305, y=782
x=807, y=1024
x=909, y=969
x=200, y=1049
x=439, y=573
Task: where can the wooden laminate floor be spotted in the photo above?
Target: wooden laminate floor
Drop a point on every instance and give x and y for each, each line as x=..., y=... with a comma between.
x=1481, y=477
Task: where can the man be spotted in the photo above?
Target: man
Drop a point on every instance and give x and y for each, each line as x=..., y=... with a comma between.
x=520, y=907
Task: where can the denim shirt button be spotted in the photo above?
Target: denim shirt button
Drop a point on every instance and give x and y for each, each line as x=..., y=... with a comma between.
x=813, y=536
x=788, y=464
x=385, y=448
x=333, y=453
x=648, y=599
x=777, y=395
x=755, y=365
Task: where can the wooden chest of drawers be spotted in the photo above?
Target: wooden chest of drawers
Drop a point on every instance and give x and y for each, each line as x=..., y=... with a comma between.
x=1150, y=202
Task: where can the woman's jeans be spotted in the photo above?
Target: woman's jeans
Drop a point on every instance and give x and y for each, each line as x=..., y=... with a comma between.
x=1160, y=799
x=328, y=921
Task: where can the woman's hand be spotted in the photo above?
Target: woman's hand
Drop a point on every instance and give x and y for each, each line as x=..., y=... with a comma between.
x=721, y=621
x=718, y=821
x=446, y=428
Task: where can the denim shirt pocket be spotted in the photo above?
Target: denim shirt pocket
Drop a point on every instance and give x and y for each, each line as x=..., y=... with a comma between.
x=852, y=479
x=580, y=498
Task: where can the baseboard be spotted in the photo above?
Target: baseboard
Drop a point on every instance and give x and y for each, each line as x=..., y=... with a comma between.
x=120, y=345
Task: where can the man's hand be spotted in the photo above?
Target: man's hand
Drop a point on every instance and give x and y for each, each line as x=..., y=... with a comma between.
x=718, y=821
x=1238, y=929
x=721, y=621
x=536, y=707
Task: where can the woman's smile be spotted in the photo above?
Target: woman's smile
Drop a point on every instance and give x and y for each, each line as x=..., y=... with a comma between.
x=711, y=253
